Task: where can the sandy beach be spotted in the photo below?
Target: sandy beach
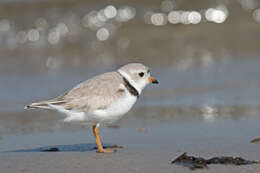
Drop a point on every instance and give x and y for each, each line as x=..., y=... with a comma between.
x=144, y=151
x=129, y=160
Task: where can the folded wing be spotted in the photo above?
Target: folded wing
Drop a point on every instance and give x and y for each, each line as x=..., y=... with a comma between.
x=96, y=93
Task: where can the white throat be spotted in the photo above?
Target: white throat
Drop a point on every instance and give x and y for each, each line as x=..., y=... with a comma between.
x=133, y=83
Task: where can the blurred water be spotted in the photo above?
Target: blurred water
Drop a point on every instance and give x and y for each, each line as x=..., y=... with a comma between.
x=208, y=69
x=222, y=94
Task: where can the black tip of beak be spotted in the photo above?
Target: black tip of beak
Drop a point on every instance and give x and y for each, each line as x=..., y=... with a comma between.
x=155, y=81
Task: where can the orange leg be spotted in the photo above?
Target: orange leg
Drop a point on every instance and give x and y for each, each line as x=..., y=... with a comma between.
x=98, y=141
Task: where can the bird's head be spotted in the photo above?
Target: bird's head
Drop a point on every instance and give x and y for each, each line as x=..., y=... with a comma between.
x=138, y=75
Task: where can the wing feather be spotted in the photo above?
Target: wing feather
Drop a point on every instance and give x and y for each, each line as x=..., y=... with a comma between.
x=96, y=93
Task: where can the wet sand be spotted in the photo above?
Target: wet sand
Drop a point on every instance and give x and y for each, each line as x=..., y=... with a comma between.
x=131, y=159
x=152, y=150
x=128, y=160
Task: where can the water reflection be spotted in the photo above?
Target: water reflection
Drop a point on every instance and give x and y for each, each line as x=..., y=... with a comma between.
x=59, y=22
x=121, y=33
x=48, y=121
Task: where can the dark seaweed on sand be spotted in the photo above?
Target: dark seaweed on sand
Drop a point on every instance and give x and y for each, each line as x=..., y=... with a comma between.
x=201, y=163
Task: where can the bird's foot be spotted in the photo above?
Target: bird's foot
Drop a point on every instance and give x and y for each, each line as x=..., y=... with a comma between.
x=105, y=151
x=111, y=147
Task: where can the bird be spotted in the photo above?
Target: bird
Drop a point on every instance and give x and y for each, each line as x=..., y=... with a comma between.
x=102, y=99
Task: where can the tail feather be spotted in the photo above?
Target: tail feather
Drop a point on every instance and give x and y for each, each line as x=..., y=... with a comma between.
x=44, y=104
x=37, y=105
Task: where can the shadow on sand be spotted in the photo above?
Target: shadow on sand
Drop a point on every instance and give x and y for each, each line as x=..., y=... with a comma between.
x=62, y=148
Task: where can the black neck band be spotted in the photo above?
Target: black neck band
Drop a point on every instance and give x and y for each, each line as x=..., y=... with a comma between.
x=130, y=87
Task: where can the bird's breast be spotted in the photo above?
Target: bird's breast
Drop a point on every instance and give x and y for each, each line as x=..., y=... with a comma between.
x=117, y=109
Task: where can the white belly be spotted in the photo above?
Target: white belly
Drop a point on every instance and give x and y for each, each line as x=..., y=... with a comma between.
x=115, y=111
x=112, y=113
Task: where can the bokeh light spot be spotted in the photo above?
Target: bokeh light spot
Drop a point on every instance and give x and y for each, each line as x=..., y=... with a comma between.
x=53, y=37
x=33, y=35
x=159, y=19
x=125, y=13
x=110, y=11
x=103, y=34
x=194, y=17
x=174, y=17
x=167, y=5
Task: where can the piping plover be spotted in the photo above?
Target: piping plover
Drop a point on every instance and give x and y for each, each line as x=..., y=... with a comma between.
x=102, y=99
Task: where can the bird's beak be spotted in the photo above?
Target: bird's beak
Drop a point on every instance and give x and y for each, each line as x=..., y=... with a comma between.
x=152, y=80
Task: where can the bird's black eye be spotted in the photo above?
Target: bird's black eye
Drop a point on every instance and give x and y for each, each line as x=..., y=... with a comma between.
x=141, y=74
